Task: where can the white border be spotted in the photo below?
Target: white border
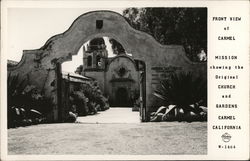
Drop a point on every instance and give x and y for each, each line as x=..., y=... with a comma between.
x=119, y=4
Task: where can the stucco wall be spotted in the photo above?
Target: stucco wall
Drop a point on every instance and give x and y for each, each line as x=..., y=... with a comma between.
x=36, y=63
x=41, y=73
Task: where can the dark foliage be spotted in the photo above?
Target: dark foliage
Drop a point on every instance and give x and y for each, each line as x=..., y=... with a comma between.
x=78, y=99
x=116, y=47
x=88, y=99
x=180, y=26
x=25, y=103
x=79, y=69
x=94, y=94
x=15, y=91
x=183, y=90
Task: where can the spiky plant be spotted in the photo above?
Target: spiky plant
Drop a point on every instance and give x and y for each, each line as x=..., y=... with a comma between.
x=182, y=90
x=23, y=96
x=15, y=88
x=15, y=98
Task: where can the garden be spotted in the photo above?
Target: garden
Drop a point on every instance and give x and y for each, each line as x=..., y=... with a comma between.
x=27, y=105
x=86, y=99
x=183, y=97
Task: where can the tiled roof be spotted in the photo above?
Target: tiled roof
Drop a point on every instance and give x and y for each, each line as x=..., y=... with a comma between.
x=75, y=77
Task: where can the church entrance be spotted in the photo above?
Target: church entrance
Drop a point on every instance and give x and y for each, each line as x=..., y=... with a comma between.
x=122, y=98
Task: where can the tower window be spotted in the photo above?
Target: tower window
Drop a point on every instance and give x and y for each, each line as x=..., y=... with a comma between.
x=89, y=61
x=98, y=60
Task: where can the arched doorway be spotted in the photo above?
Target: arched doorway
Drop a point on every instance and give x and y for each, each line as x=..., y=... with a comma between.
x=122, y=98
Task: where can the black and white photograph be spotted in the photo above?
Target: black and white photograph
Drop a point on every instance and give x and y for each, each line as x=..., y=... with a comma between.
x=130, y=81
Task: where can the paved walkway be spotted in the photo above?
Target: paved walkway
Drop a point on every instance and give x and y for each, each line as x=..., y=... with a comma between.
x=112, y=115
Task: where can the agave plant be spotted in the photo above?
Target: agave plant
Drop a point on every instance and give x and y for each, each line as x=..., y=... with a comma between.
x=15, y=88
x=182, y=90
x=22, y=99
x=15, y=99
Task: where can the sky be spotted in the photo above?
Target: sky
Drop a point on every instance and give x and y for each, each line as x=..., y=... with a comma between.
x=30, y=28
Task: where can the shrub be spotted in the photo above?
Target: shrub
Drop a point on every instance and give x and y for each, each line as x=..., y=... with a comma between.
x=72, y=117
x=182, y=96
x=182, y=90
x=88, y=99
x=95, y=96
x=80, y=101
x=24, y=101
x=15, y=89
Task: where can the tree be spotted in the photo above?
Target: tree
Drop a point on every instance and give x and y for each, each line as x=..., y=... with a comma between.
x=116, y=47
x=180, y=26
x=79, y=69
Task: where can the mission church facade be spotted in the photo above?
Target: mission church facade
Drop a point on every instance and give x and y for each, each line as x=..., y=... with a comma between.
x=118, y=76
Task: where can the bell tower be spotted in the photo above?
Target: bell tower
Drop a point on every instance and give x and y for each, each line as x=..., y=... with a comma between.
x=95, y=55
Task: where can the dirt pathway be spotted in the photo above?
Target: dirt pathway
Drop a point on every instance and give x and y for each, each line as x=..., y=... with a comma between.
x=104, y=138
x=112, y=115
